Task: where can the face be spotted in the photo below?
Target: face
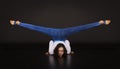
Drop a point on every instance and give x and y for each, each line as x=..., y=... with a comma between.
x=60, y=51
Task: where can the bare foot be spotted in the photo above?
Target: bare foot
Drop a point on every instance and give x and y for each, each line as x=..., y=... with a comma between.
x=107, y=22
x=17, y=22
x=12, y=22
x=101, y=22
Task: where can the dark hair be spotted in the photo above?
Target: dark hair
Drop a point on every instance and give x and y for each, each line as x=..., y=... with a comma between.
x=56, y=50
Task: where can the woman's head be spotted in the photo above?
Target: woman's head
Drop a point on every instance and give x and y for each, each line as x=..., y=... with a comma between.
x=60, y=50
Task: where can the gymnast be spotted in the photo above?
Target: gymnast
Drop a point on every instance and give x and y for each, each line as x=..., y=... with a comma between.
x=59, y=35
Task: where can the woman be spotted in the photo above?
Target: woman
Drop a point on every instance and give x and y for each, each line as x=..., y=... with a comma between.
x=60, y=50
x=59, y=35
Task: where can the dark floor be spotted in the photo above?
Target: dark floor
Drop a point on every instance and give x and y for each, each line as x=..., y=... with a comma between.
x=86, y=56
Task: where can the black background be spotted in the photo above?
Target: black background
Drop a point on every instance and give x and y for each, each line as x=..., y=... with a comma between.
x=59, y=14
x=96, y=48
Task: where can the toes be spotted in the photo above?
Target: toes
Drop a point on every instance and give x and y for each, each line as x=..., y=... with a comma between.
x=12, y=22
x=107, y=22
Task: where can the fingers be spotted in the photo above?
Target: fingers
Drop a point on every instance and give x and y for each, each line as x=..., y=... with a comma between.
x=12, y=22
x=47, y=53
x=72, y=52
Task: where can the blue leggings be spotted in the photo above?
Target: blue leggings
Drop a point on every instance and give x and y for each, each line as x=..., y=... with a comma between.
x=57, y=33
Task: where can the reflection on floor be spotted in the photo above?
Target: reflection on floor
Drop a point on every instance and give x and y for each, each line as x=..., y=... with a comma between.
x=93, y=56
